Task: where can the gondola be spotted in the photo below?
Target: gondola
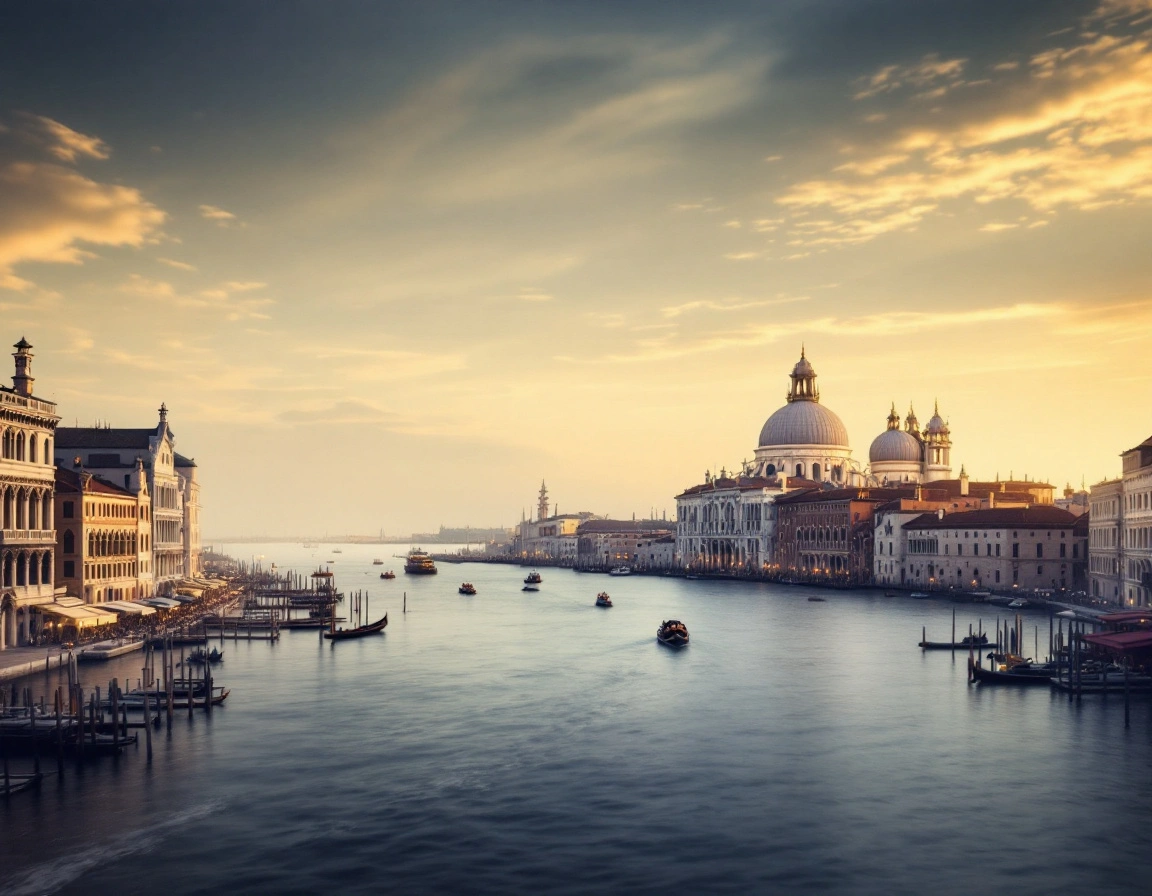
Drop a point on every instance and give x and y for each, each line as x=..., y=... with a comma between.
x=1021, y=675
x=673, y=633
x=975, y=642
x=467, y=588
x=344, y=634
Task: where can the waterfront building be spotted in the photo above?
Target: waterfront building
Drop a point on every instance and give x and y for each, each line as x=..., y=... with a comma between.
x=1033, y=548
x=27, y=536
x=1120, y=532
x=112, y=454
x=551, y=537
x=604, y=544
x=889, y=543
x=908, y=455
x=102, y=536
x=826, y=535
x=727, y=524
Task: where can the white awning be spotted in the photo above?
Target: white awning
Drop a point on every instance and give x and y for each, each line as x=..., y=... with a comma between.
x=163, y=603
x=81, y=617
x=129, y=608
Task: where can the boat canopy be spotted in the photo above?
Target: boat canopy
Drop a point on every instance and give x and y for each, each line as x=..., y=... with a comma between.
x=80, y=616
x=1122, y=642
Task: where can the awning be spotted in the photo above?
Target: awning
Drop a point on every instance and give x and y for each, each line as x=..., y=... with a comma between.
x=162, y=603
x=1122, y=642
x=128, y=608
x=81, y=617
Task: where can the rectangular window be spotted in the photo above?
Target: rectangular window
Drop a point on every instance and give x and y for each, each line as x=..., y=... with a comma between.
x=69, y=569
x=1063, y=549
x=959, y=550
x=68, y=510
x=997, y=550
x=1039, y=550
x=997, y=577
x=1015, y=549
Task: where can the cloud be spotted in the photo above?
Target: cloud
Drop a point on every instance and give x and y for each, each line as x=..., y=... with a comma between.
x=221, y=299
x=218, y=215
x=51, y=213
x=530, y=294
x=1075, y=134
x=925, y=75
x=179, y=265
x=733, y=305
x=61, y=142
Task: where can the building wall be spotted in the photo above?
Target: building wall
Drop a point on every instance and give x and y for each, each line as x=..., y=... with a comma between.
x=1105, y=537
x=726, y=529
x=27, y=529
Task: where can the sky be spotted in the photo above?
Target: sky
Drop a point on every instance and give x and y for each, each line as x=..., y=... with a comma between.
x=390, y=265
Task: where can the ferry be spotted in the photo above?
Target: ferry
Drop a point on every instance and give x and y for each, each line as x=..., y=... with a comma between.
x=620, y=571
x=377, y=562
x=533, y=578
x=419, y=563
x=603, y=600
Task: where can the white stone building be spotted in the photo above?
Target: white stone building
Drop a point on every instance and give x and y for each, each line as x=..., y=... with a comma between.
x=728, y=524
x=27, y=478
x=112, y=454
x=908, y=455
x=1120, y=527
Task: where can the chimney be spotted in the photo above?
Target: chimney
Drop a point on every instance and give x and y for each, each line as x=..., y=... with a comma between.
x=963, y=482
x=991, y=499
x=940, y=514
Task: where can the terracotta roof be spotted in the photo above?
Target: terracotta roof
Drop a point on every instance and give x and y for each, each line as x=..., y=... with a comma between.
x=864, y=493
x=746, y=483
x=1037, y=516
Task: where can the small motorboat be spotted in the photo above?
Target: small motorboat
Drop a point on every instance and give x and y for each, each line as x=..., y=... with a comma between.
x=377, y=562
x=620, y=571
x=467, y=588
x=918, y=595
x=673, y=633
x=816, y=599
x=1018, y=604
x=388, y=575
x=603, y=600
x=533, y=578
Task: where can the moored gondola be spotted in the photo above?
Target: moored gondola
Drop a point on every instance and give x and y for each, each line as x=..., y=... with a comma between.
x=344, y=634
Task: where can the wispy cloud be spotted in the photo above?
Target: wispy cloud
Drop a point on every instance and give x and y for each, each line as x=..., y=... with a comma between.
x=728, y=306
x=218, y=216
x=931, y=75
x=179, y=265
x=226, y=299
x=61, y=142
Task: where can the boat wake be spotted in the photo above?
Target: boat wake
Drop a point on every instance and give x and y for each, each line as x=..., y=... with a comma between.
x=52, y=877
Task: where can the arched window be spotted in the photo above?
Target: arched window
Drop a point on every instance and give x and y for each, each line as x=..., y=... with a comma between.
x=19, y=446
x=48, y=451
x=46, y=568
x=816, y=472
x=770, y=470
x=69, y=542
x=800, y=471
x=33, y=457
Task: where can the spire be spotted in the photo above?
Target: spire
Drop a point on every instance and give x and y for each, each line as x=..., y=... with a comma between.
x=893, y=418
x=163, y=412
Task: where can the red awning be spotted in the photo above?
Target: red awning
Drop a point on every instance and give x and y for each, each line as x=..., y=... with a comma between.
x=1122, y=642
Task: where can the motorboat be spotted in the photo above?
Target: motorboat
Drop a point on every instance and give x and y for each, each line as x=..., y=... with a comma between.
x=673, y=633
x=388, y=575
x=918, y=595
x=377, y=562
x=419, y=563
x=603, y=600
x=620, y=571
x=468, y=588
x=1018, y=604
x=533, y=578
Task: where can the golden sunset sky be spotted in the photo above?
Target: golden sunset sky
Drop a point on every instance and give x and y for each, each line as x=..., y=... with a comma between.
x=390, y=265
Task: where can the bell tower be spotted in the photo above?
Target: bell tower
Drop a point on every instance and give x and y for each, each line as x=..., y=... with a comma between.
x=542, y=505
x=22, y=381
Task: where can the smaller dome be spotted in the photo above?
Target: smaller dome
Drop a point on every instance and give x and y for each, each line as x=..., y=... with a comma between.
x=803, y=368
x=894, y=445
x=936, y=425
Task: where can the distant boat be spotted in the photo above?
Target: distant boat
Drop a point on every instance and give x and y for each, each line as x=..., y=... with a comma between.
x=816, y=599
x=975, y=642
x=673, y=633
x=377, y=562
x=1018, y=604
x=603, y=600
x=530, y=587
x=337, y=551
x=388, y=575
x=533, y=578
x=419, y=563
x=468, y=588
x=620, y=571
x=919, y=595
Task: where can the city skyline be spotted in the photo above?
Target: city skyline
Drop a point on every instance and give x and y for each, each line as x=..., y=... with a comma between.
x=390, y=265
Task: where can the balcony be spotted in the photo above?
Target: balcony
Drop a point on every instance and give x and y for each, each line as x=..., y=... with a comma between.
x=28, y=537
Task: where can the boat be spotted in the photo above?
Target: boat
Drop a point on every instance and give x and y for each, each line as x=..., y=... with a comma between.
x=603, y=600
x=919, y=595
x=530, y=587
x=16, y=783
x=1021, y=674
x=377, y=562
x=533, y=578
x=337, y=551
x=468, y=588
x=620, y=571
x=974, y=642
x=108, y=650
x=816, y=599
x=1018, y=604
x=419, y=563
x=344, y=634
x=388, y=575
x=673, y=633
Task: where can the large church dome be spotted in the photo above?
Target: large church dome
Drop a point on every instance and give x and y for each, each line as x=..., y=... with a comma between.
x=803, y=420
x=804, y=423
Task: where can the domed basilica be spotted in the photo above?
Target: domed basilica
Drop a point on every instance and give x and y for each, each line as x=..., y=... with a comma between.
x=804, y=438
x=807, y=440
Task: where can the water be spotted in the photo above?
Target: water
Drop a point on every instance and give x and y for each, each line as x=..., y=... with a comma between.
x=518, y=742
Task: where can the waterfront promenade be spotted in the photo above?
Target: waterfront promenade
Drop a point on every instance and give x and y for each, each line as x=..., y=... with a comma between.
x=16, y=662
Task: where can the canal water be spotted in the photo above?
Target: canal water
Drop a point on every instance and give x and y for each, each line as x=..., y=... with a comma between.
x=531, y=742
